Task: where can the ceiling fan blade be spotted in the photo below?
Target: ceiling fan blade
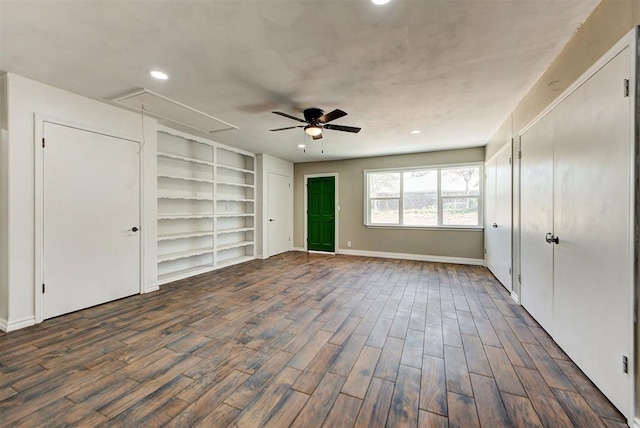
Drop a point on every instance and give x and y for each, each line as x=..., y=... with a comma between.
x=342, y=128
x=289, y=116
x=288, y=127
x=317, y=137
x=336, y=114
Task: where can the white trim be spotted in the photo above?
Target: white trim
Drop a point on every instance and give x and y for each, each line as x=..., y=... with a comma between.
x=151, y=289
x=336, y=207
x=298, y=249
x=16, y=325
x=515, y=298
x=499, y=152
x=416, y=257
x=327, y=253
x=39, y=122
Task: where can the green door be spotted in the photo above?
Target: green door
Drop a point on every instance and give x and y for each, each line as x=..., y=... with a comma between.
x=321, y=214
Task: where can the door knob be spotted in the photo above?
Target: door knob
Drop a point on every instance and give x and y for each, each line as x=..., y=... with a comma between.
x=134, y=229
x=271, y=219
x=552, y=239
x=495, y=225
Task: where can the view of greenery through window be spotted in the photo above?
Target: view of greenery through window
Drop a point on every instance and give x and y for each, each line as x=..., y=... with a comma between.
x=411, y=198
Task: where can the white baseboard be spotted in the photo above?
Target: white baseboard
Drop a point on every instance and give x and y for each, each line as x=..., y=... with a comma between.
x=151, y=289
x=515, y=297
x=326, y=253
x=299, y=249
x=16, y=325
x=416, y=257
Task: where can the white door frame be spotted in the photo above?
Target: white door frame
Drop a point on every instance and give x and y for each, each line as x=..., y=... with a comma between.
x=336, y=209
x=39, y=122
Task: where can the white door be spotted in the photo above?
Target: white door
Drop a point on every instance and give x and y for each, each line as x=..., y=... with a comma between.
x=90, y=206
x=490, y=215
x=278, y=214
x=503, y=217
x=593, y=222
x=498, y=224
x=536, y=220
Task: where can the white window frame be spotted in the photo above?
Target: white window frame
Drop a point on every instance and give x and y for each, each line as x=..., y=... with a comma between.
x=438, y=169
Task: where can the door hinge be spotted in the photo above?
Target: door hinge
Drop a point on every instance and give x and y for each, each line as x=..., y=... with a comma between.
x=509, y=161
x=43, y=142
x=289, y=239
x=519, y=154
x=289, y=184
x=509, y=271
x=485, y=251
x=519, y=278
x=625, y=364
x=42, y=288
x=626, y=87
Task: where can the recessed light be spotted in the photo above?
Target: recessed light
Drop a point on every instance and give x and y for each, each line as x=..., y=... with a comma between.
x=301, y=146
x=380, y=2
x=416, y=131
x=158, y=75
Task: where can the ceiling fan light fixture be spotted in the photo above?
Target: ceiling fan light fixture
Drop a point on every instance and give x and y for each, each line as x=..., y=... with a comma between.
x=313, y=130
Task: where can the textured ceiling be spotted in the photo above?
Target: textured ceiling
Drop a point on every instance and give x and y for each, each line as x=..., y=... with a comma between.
x=453, y=69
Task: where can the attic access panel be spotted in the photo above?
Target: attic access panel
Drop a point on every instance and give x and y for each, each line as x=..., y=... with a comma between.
x=173, y=111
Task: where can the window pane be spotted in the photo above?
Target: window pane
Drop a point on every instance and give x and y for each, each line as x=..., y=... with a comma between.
x=461, y=181
x=460, y=212
x=420, y=203
x=384, y=184
x=385, y=211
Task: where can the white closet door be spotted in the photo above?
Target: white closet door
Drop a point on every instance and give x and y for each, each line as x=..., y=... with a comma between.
x=91, y=203
x=490, y=217
x=278, y=211
x=503, y=218
x=593, y=260
x=536, y=220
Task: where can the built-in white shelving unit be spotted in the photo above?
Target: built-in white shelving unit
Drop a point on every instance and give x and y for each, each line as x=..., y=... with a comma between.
x=206, y=205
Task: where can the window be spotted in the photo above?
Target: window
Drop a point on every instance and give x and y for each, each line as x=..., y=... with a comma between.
x=447, y=196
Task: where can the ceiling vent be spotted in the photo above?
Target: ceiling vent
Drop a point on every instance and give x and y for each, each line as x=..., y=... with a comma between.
x=173, y=111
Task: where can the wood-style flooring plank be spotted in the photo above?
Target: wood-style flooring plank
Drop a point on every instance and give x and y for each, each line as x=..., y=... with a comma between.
x=406, y=398
x=433, y=386
x=375, y=407
x=520, y=411
x=491, y=411
x=358, y=380
x=462, y=411
x=318, y=406
x=503, y=371
x=344, y=412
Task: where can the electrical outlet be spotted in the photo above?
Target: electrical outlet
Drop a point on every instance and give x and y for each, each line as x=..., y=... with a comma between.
x=348, y=243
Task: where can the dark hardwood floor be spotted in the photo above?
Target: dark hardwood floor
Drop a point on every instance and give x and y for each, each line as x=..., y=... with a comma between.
x=301, y=340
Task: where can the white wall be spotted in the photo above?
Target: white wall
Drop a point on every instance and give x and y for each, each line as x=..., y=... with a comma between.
x=26, y=98
x=4, y=206
x=266, y=164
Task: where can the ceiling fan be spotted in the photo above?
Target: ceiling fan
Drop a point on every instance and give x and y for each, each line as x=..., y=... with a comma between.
x=316, y=121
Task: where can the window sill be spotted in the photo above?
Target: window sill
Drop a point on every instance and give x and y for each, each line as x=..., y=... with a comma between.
x=439, y=228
